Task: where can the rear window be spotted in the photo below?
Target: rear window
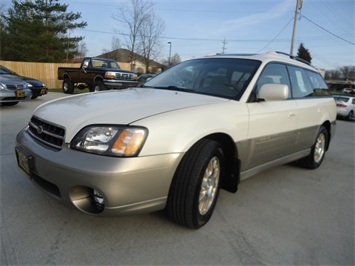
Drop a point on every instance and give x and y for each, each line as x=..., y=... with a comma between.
x=341, y=99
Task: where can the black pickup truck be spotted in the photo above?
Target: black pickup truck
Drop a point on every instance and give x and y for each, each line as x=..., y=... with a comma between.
x=96, y=74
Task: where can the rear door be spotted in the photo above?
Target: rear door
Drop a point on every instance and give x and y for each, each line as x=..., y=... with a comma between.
x=314, y=101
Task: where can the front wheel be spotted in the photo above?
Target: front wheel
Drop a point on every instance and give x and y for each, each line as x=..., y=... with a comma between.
x=316, y=156
x=98, y=86
x=195, y=186
x=9, y=103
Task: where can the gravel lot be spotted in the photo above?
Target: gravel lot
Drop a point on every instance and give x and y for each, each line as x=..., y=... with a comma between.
x=284, y=216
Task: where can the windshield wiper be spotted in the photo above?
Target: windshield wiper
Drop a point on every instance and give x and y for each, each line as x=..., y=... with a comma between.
x=174, y=88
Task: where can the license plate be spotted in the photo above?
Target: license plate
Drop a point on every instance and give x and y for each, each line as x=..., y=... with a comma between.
x=24, y=160
x=20, y=94
x=43, y=91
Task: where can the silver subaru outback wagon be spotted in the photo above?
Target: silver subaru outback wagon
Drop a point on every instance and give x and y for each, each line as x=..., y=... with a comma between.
x=202, y=125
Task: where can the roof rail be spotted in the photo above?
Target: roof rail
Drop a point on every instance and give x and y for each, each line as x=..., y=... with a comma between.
x=294, y=57
x=223, y=54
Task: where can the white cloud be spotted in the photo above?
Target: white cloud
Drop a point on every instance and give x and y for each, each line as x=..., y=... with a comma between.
x=259, y=18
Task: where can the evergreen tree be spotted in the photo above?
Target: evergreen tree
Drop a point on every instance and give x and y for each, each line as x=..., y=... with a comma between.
x=304, y=54
x=38, y=31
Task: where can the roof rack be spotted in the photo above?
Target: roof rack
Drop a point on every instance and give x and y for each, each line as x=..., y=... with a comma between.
x=272, y=52
x=294, y=57
x=223, y=54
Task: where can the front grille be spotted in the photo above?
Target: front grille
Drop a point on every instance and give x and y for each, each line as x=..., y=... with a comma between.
x=47, y=133
x=124, y=76
x=14, y=87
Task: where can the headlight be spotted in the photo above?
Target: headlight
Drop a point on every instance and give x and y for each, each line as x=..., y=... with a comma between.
x=3, y=86
x=110, y=75
x=110, y=140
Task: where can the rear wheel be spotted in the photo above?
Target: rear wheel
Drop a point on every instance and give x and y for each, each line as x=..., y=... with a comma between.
x=68, y=86
x=195, y=187
x=316, y=156
x=350, y=116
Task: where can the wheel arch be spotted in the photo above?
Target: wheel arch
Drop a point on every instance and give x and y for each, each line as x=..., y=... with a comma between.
x=98, y=78
x=232, y=177
x=328, y=127
x=66, y=76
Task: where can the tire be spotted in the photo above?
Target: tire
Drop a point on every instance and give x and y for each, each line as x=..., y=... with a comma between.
x=9, y=103
x=68, y=86
x=350, y=116
x=195, y=187
x=98, y=86
x=318, y=150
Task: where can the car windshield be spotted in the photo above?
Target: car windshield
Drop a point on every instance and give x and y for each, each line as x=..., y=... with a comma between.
x=102, y=63
x=4, y=70
x=221, y=77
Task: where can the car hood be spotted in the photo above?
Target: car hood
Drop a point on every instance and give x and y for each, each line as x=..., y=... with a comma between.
x=33, y=82
x=117, y=107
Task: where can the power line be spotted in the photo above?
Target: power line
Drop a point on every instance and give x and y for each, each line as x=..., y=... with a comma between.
x=277, y=35
x=328, y=31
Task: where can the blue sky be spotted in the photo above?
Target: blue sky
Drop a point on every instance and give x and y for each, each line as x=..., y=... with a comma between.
x=198, y=27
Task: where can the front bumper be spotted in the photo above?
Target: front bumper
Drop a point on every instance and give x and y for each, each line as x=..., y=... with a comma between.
x=120, y=84
x=127, y=185
x=39, y=91
x=10, y=96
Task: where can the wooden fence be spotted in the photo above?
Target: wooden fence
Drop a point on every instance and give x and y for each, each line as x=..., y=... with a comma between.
x=45, y=72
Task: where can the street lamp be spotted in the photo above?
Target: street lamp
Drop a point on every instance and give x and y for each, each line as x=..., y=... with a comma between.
x=169, y=53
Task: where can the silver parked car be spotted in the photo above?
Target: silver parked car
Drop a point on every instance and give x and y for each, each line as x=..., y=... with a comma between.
x=345, y=106
x=13, y=90
x=202, y=125
x=36, y=86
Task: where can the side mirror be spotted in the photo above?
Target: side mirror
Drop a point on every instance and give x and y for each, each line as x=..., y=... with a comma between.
x=273, y=92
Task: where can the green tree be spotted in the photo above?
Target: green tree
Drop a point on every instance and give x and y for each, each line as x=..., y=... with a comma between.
x=39, y=31
x=304, y=54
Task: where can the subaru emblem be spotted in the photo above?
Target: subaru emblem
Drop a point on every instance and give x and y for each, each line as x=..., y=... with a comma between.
x=39, y=130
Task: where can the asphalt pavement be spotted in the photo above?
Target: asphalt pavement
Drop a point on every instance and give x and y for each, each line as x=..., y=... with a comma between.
x=284, y=216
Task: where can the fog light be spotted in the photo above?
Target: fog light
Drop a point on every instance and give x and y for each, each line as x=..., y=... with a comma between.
x=98, y=200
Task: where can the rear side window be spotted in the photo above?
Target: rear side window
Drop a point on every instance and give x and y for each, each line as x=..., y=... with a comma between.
x=301, y=85
x=320, y=88
x=306, y=83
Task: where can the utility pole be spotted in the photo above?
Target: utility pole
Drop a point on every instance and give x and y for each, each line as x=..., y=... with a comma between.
x=298, y=8
x=224, y=45
x=169, y=53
